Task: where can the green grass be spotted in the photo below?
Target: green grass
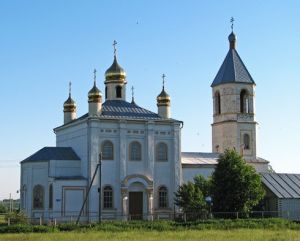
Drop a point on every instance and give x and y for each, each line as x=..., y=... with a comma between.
x=201, y=235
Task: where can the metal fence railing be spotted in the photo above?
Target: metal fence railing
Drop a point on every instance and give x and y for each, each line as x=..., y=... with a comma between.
x=53, y=218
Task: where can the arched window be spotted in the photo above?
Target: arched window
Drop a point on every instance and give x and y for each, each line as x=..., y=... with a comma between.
x=246, y=140
x=217, y=103
x=135, y=151
x=119, y=91
x=107, y=197
x=51, y=196
x=105, y=92
x=161, y=152
x=38, y=197
x=244, y=101
x=162, y=197
x=107, y=150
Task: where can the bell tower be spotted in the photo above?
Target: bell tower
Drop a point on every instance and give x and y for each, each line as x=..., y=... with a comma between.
x=233, y=92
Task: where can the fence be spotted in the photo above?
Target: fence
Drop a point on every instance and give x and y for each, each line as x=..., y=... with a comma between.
x=54, y=218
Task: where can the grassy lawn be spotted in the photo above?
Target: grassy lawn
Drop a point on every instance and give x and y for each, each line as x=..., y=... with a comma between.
x=202, y=235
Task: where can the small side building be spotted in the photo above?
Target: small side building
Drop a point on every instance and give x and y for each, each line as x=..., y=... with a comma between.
x=282, y=194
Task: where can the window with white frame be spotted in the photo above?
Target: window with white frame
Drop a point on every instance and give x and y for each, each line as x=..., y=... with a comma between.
x=107, y=197
x=162, y=197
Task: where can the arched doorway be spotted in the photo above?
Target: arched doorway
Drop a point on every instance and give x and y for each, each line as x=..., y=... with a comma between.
x=137, y=195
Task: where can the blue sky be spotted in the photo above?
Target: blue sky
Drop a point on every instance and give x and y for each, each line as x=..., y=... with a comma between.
x=46, y=44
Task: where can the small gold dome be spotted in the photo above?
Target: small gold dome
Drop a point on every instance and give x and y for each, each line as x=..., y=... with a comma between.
x=95, y=94
x=69, y=105
x=115, y=72
x=163, y=98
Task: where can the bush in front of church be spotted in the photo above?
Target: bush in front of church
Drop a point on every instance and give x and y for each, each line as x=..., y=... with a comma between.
x=190, y=198
x=236, y=186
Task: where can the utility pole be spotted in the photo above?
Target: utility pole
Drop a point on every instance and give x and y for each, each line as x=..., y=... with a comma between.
x=10, y=203
x=87, y=194
x=100, y=184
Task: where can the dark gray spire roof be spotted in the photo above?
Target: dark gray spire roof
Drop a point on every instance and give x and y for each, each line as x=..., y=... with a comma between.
x=232, y=70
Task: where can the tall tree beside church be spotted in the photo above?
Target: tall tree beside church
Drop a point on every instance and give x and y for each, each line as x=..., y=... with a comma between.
x=236, y=186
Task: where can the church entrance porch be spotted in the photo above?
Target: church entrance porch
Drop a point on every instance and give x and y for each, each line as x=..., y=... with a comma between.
x=136, y=205
x=137, y=197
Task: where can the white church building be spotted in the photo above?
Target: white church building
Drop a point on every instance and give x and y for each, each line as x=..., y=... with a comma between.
x=142, y=163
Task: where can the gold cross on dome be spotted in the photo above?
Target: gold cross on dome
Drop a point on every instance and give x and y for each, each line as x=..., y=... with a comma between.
x=232, y=22
x=132, y=91
x=163, y=78
x=70, y=88
x=115, y=48
x=95, y=76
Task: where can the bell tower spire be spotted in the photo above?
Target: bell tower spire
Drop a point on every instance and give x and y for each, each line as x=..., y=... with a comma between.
x=233, y=90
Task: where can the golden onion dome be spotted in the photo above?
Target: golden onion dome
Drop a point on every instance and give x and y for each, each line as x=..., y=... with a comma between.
x=163, y=98
x=69, y=105
x=115, y=71
x=94, y=94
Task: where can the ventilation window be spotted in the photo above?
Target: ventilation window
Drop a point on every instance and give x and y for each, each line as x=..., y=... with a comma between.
x=217, y=103
x=119, y=92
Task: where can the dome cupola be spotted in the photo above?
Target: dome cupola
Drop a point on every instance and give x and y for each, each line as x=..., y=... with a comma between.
x=69, y=108
x=115, y=80
x=95, y=98
x=164, y=102
x=115, y=72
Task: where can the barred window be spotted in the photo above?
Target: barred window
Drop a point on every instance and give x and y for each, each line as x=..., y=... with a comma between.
x=38, y=197
x=162, y=197
x=246, y=142
x=51, y=196
x=107, y=150
x=244, y=101
x=135, y=151
x=161, y=152
x=108, y=197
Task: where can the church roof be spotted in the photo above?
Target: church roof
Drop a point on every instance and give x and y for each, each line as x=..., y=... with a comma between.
x=232, y=70
x=282, y=185
x=123, y=110
x=199, y=158
x=208, y=158
x=52, y=153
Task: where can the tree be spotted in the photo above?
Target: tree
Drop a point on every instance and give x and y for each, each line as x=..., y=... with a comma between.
x=236, y=187
x=190, y=198
x=3, y=209
x=203, y=184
